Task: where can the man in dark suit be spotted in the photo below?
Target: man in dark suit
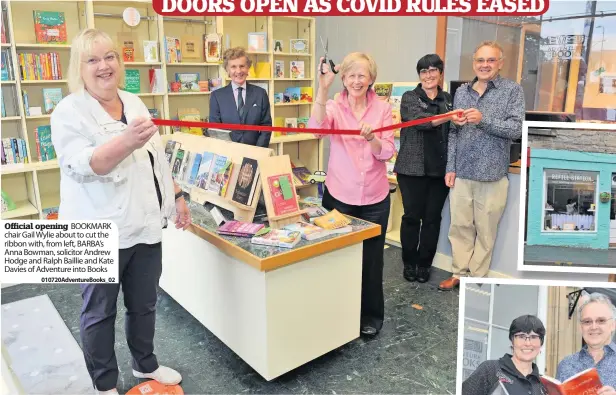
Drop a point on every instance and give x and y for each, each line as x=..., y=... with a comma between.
x=240, y=102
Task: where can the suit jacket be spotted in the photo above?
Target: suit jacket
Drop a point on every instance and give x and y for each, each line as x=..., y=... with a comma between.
x=223, y=109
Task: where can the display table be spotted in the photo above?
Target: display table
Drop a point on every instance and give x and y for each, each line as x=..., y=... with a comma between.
x=276, y=308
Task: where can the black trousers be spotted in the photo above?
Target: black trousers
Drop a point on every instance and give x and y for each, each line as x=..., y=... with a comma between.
x=140, y=268
x=423, y=199
x=372, y=301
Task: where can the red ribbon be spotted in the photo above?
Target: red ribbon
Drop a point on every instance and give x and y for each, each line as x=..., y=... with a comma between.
x=230, y=126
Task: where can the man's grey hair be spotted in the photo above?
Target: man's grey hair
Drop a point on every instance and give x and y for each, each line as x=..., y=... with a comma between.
x=596, y=297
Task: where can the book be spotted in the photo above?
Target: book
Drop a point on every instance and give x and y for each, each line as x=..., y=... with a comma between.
x=51, y=98
x=220, y=170
x=283, y=194
x=297, y=69
x=332, y=220
x=203, y=175
x=313, y=212
x=169, y=150
x=257, y=42
x=247, y=181
x=49, y=27
x=212, y=47
x=150, y=51
x=279, y=69
x=277, y=238
x=191, y=47
x=586, y=382
x=132, y=81
x=190, y=114
x=308, y=231
x=239, y=229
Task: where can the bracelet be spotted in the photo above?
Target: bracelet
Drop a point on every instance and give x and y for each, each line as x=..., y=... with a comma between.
x=321, y=104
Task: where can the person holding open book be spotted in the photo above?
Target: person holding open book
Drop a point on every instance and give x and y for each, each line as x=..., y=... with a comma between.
x=356, y=183
x=597, y=315
x=516, y=372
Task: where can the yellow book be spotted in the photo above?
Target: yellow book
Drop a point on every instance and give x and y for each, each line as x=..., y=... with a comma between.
x=264, y=70
x=332, y=220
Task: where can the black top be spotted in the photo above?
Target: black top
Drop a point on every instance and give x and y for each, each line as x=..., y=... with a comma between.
x=423, y=148
x=158, y=194
x=485, y=379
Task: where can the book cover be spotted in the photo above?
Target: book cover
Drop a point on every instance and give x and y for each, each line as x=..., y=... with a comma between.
x=293, y=93
x=51, y=98
x=308, y=231
x=212, y=47
x=132, y=81
x=239, y=229
x=217, y=174
x=305, y=94
x=169, y=150
x=257, y=42
x=247, y=180
x=46, y=146
x=303, y=174
x=189, y=82
x=49, y=27
x=279, y=69
x=332, y=220
x=50, y=213
x=383, y=91
x=171, y=52
x=586, y=382
x=157, y=82
x=190, y=114
x=150, y=51
x=278, y=238
x=177, y=163
x=283, y=194
x=203, y=175
x=314, y=212
x=196, y=164
x=191, y=47
x=297, y=69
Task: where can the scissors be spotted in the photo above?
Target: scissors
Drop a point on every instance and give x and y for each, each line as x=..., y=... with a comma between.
x=331, y=62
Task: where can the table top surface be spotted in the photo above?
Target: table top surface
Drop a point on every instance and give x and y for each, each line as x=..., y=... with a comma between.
x=269, y=257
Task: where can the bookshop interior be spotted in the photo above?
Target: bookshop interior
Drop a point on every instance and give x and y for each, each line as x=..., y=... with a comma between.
x=262, y=292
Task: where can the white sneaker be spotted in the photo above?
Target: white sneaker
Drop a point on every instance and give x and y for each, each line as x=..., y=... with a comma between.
x=163, y=375
x=109, y=392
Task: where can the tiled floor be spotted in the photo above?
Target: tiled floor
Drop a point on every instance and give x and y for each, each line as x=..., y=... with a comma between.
x=414, y=354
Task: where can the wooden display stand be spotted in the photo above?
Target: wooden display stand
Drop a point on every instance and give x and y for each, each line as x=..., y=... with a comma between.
x=273, y=166
x=234, y=151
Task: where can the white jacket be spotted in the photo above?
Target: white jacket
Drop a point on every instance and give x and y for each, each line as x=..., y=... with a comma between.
x=127, y=195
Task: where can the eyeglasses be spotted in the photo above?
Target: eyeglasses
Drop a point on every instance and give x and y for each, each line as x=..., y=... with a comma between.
x=489, y=60
x=93, y=61
x=524, y=337
x=431, y=70
x=598, y=321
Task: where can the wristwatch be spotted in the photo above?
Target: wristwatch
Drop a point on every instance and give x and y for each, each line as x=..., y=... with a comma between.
x=181, y=194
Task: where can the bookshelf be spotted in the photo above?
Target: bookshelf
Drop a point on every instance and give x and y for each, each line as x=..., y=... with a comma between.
x=34, y=186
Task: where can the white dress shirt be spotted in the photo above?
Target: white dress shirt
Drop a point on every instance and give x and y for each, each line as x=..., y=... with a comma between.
x=127, y=195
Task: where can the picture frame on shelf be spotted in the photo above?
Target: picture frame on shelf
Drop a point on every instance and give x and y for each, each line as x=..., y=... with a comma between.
x=299, y=45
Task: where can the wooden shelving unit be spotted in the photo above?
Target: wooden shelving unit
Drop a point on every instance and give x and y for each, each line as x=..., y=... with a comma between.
x=35, y=186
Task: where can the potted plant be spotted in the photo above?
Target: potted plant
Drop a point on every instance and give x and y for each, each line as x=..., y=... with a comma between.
x=605, y=197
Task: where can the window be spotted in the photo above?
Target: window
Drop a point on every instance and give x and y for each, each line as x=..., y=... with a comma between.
x=489, y=310
x=565, y=60
x=570, y=200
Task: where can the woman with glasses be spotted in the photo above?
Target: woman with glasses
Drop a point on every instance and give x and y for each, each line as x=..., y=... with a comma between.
x=597, y=315
x=113, y=167
x=420, y=168
x=356, y=182
x=516, y=372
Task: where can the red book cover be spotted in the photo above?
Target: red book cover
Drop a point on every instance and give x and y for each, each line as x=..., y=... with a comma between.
x=50, y=27
x=283, y=195
x=583, y=383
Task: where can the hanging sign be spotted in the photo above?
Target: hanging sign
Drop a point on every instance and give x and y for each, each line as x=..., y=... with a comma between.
x=131, y=16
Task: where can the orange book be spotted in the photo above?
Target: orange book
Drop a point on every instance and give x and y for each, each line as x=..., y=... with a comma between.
x=584, y=383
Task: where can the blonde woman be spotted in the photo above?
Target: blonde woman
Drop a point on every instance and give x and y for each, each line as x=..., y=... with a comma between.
x=113, y=167
x=356, y=182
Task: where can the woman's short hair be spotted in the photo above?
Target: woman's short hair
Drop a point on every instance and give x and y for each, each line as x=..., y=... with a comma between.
x=234, y=53
x=597, y=297
x=82, y=45
x=430, y=60
x=355, y=57
x=527, y=324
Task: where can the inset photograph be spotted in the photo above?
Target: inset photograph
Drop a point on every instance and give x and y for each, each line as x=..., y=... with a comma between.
x=569, y=210
x=536, y=337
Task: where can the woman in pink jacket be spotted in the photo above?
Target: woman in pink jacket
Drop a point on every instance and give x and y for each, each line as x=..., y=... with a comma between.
x=356, y=182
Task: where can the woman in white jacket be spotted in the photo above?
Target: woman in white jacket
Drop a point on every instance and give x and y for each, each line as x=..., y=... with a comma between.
x=113, y=167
